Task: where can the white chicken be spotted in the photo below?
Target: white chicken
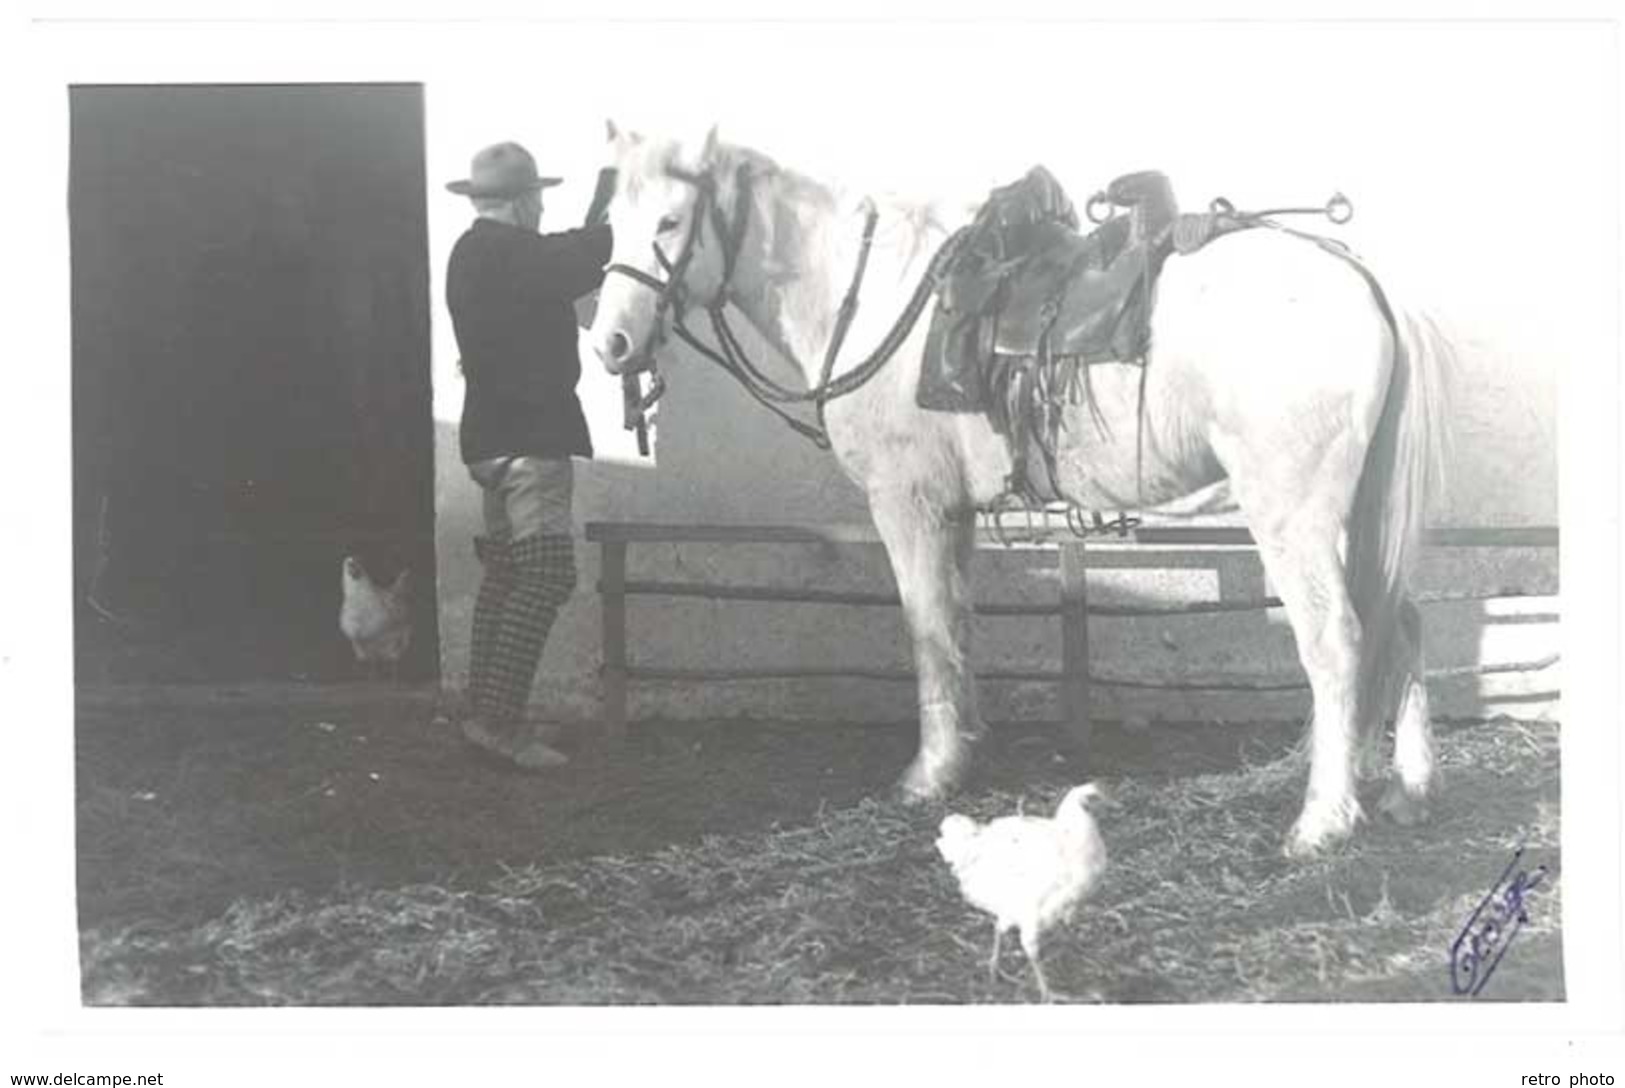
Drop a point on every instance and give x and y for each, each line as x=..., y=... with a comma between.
x=1030, y=873
x=376, y=619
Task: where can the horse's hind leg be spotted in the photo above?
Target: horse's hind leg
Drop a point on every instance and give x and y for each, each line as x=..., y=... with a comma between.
x=1297, y=520
x=1405, y=799
x=1308, y=575
x=931, y=551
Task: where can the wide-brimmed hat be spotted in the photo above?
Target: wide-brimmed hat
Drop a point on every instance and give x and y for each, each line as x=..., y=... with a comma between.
x=501, y=170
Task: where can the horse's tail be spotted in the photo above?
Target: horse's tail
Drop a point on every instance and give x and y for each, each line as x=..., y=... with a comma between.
x=1403, y=467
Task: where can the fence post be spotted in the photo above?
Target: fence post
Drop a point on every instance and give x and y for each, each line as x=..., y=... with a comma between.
x=1241, y=577
x=612, y=597
x=1075, y=648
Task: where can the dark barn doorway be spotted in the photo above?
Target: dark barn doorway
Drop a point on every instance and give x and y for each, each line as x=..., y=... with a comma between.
x=251, y=391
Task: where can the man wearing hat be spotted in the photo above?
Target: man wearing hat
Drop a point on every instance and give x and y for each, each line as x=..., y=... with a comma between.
x=511, y=292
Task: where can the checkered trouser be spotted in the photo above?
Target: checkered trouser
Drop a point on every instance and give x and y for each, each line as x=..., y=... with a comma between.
x=526, y=581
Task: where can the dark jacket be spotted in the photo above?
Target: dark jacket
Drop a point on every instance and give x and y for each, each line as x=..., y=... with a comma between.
x=510, y=292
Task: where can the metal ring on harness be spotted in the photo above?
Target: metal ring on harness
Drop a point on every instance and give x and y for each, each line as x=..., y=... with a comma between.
x=1100, y=199
x=1339, y=209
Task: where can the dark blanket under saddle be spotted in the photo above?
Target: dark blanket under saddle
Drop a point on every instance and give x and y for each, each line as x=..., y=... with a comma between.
x=1027, y=287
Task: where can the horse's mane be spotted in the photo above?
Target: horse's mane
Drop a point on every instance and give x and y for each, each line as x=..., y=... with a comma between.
x=918, y=219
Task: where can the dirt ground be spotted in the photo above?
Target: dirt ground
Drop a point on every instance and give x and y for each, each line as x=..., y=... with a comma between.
x=330, y=844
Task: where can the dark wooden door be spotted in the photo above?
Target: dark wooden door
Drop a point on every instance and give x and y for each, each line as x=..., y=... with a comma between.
x=251, y=373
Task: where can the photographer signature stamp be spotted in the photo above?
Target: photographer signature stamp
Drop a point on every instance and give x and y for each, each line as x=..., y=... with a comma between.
x=1490, y=930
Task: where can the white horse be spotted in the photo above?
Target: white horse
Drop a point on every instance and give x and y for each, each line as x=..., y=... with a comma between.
x=1274, y=369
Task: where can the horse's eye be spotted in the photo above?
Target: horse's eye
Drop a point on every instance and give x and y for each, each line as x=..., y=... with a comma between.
x=667, y=224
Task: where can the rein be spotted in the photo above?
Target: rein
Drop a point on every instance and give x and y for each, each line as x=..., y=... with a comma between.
x=730, y=355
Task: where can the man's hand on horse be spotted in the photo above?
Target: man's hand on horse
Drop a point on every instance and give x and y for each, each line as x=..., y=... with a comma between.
x=586, y=309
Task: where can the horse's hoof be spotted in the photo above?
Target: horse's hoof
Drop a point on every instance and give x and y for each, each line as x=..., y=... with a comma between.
x=1405, y=808
x=1318, y=831
x=916, y=789
x=908, y=792
x=926, y=782
x=1302, y=847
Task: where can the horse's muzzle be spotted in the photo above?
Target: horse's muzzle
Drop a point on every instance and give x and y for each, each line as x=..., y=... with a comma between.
x=618, y=355
x=615, y=352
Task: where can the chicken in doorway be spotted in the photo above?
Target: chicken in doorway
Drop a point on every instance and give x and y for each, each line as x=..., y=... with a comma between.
x=376, y=619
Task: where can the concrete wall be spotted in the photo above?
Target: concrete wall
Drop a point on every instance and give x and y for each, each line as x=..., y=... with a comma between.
x=1447, y=161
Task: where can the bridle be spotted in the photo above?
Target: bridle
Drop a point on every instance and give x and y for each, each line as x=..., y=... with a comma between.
x=672, y=292
x=672, y=296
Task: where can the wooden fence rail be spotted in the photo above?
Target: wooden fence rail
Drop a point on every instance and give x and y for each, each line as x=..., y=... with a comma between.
x=1147, y=547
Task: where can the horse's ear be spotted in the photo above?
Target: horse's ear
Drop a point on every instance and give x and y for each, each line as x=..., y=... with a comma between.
x=696, y=155
x=620, y=138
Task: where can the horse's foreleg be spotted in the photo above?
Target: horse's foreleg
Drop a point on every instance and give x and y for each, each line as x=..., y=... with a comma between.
x=930, y=551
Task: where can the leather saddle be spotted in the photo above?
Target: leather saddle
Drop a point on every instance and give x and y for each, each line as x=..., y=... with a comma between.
x=1029, y=286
